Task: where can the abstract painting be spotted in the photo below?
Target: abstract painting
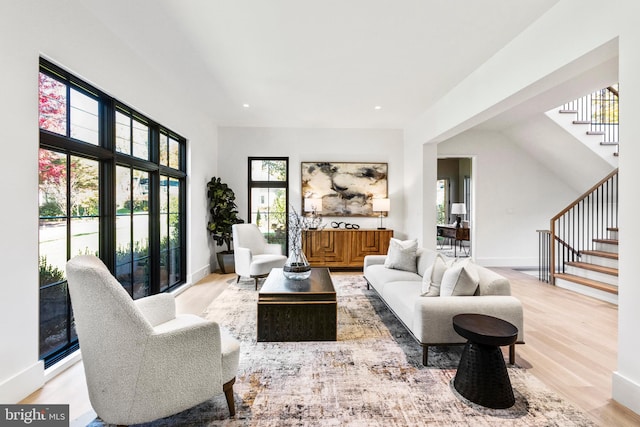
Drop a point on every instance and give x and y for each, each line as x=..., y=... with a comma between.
x=346, y=188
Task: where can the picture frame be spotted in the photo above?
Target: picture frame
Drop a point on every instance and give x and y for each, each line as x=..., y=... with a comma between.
x=346, y=188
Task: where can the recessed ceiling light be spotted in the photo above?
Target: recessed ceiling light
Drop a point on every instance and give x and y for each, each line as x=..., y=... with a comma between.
x=377, y=107
x=245, y=105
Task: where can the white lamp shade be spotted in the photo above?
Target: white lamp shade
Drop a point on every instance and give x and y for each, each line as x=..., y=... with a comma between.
x=381, y=205
x=313, y=204
x=458, y=209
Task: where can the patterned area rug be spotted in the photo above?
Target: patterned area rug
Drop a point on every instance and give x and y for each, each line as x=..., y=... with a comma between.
x=372, y=376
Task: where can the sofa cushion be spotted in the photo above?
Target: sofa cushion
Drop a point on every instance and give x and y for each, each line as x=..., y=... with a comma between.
x=402, y=255
x=425, y=259
x=401, y=299
x=460, y=279
x=380, y=277
x=433, y=277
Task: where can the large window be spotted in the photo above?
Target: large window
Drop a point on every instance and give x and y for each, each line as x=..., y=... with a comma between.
x=269, y=197
x=112, y=184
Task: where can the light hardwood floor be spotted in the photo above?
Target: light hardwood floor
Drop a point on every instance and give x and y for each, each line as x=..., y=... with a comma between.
x=571, y=345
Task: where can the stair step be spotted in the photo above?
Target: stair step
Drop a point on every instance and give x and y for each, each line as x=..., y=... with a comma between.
x=610, y=143
x=588, y=282
x=593, y=267
x=568, y=111
x=607, y=241
x=612, y=228
x=582, y=122
x=603, y=254
x=595, y=132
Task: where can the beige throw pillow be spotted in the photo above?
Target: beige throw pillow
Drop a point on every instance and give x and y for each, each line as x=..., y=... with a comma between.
x=461, y=279
x=402, y=255
x=433, y=277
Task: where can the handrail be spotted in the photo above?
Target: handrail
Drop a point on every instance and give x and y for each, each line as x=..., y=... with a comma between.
x=613, y=91
x=586, y=218
x=585, y=194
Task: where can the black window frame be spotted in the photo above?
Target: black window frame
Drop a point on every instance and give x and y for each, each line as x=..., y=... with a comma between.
x=269, y=185
x=109, y=158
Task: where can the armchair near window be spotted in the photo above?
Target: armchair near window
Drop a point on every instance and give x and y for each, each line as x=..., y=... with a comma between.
x=141, y=360
x=253, y=256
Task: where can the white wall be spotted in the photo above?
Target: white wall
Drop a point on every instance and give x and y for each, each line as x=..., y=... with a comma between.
x=309, y=145
x=626, y=380
x=66, y=34
x=513, y=196
x=545, y=140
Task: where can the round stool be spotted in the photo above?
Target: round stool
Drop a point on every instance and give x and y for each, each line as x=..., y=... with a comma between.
x=482, y=374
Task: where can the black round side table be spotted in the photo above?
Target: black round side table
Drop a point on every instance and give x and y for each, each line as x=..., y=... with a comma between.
x=482, y=374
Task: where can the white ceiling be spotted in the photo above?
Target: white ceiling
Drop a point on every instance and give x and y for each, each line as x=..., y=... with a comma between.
x=322, y=63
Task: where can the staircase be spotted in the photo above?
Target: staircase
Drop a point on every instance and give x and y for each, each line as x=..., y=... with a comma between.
x=596, y=273
x=580, y=250
x=593, y=120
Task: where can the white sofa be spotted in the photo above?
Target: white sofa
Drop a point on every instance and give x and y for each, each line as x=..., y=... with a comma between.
x=429, y=319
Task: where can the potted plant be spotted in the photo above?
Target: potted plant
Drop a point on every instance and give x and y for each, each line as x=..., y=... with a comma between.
x=224, y=213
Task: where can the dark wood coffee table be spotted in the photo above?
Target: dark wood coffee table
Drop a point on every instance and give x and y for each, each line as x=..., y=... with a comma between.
x=297, y=310
x=482, y=374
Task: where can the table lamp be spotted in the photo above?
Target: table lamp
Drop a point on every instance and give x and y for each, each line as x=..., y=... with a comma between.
x=458, y=209
x=381, y=205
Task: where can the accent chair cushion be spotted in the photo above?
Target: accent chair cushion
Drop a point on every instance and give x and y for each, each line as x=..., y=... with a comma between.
x=460, y=279
x=402, y=255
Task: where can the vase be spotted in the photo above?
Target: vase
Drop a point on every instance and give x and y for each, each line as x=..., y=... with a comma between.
x=297, y=267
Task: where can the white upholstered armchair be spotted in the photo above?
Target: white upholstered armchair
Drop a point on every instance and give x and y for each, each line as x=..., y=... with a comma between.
x=141, y=360
x=253, y=256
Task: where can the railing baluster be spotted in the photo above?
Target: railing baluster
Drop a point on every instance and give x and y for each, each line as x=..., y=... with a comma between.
x=600, y=108
x=574, y=229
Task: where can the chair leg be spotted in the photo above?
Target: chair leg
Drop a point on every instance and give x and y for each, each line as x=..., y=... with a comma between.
x=228, y=394
x=256, y=279
x=425, y=355
x=238, y=279
x=512, y=354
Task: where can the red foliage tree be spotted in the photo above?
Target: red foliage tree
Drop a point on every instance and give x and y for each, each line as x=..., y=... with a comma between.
x=52, y=104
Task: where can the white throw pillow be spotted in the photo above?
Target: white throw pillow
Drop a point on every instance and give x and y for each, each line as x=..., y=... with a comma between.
x=402, y=255
x=433, y=277
x=461, y=279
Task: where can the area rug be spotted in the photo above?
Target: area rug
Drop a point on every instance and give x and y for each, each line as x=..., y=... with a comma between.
x=452, y=252
x=372, y=376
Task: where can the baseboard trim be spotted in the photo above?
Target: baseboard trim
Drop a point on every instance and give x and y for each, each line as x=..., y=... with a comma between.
x=626, y=392
x=199, y=274
x=21, y=385
x=192, y=279
x=58, y=368
x=505, y=262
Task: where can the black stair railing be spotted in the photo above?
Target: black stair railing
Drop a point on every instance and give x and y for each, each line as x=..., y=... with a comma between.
x=544, y=253
x=575, y=228
x=600, y=109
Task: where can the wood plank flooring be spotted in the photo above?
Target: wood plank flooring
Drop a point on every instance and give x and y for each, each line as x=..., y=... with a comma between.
x=571, y=346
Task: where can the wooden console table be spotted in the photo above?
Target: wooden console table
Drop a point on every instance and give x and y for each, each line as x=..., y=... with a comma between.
x=457, y=234
x=340, y=248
